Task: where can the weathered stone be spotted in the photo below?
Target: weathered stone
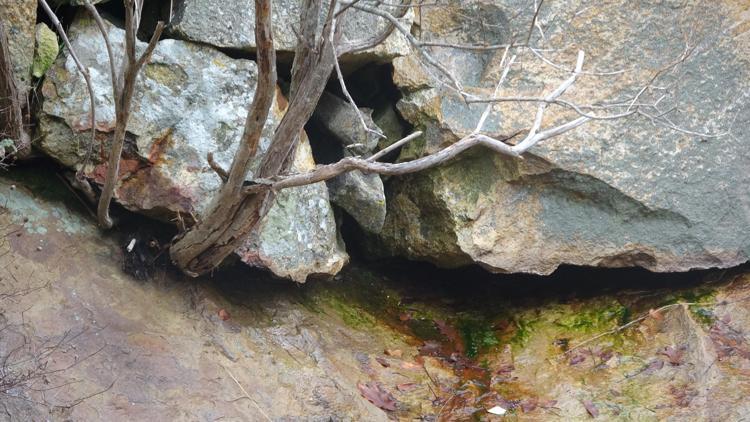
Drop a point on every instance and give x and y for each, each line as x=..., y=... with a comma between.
x=361, y=196
x=190, y=100
x=46, y=50
x=180, y=350
x=610, y=193
x=338, y=118
x=18, y=18
x=231, y=25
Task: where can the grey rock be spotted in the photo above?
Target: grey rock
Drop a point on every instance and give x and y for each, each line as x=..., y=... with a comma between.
x=190, y=100
x=611, y=193
x=361, y=196
x=231, y=25
x=338, y=118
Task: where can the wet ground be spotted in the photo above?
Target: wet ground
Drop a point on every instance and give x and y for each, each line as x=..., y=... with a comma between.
x=82, y=340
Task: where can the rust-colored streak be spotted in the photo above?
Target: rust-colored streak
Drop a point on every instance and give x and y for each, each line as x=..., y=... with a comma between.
x=127, y=167
x=156, y=154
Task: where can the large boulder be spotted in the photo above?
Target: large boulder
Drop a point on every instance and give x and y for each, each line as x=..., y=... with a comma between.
x=19, y=20
x=610, y=193
x=190, y=100
x=231, y=25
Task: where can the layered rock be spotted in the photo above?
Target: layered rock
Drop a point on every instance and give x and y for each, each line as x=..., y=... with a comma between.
x=611, y=193
x=231, y=25
x=190, y=100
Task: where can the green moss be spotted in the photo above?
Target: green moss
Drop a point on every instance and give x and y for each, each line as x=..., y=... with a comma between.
x=46, y=50
x=522, y=332
x=593, y=318
x=478, y=335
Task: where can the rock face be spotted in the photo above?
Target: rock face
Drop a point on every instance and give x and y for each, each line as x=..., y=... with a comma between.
x=611, y=193
x=19, y=19
x=190, y=100
x=231, y=25
x=177, y=349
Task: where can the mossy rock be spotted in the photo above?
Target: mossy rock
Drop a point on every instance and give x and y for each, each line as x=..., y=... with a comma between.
x=46, y=50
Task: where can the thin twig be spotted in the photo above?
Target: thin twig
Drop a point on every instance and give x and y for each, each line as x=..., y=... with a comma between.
x=247, y=395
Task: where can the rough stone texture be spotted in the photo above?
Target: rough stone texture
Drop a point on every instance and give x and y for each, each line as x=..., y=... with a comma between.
x=361, y=195
x=46, y=50
x=338, y=118
x=190, y=100
x=218, y=348
x=160, y=350
x=231, y=25
x=19, y=18
x=609, y=194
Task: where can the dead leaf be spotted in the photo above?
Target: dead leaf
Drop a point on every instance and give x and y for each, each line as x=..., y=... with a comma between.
x=430, y=348
x=375, y=394
x=396, y=353
x=406, y=387
x=451, y=334
x=591, y=408
x=576, y=359
x=675, y=355
x=548, y=404
x=224, y=314
x=410, y=366
x=529, y=405
x=654, y=366
x=382, y=362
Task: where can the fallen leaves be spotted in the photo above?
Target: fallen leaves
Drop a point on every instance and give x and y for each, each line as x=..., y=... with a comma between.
x=406, y=387
x=591, y=408
x=727, y=340
x=396, y=353
x=377, y=395
x=675, y=355
x=384, y=363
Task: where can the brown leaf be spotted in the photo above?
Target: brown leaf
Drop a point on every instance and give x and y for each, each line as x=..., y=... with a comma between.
x=224, y=314
x=675, y=355
x=396, y=353
x=406, y=387
x=654, y=366
x=430, y=348
x=548, y=404
x=451, y=334
x=529, y=405
x=591, y=408
x=375, y=394
x=576, y=359
x=383, y=362
x=411, y=366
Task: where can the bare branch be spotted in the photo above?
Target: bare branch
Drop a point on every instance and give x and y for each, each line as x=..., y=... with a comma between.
x=218, y=169
x=396, y=145
x=123, y=90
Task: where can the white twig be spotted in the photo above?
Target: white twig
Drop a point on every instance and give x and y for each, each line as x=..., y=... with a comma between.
x=533, y=137
x=394, y=146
